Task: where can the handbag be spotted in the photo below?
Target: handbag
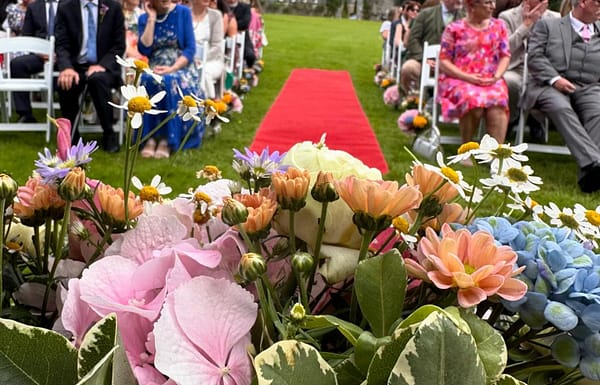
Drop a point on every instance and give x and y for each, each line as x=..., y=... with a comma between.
x=428, y=143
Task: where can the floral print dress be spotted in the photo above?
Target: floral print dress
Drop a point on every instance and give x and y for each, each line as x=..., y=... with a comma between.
x=165, y=51
x=474, y=51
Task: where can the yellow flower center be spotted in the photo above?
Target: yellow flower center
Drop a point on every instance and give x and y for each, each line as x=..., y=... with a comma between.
x=211, y=170
x=533, y=203
x=469, y=269
x=149, y=194
x=202, y=197
x=466, y=147
x=189, y=101
x=400, y=224
x=593, y=217
x=450, y=174
x=139, y=104
x=516, y=175
x=568, y=221
x=503, y=152
x=140, y=64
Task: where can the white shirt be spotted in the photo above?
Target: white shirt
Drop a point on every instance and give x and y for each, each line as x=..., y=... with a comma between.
x=84, y=24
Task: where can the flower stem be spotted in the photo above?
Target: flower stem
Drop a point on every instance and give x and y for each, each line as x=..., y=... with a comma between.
x=2, y=207
x=317, y=250
x=292, y=232
x=246, y=238
x=364, y=249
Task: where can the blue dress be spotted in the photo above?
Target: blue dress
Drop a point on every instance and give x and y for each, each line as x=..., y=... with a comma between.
x=173, y=37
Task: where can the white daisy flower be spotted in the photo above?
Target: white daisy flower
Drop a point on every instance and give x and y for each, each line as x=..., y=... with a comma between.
x=518, y=179
x=152, y=192
x=452, y=176
x=464, y=152
x=527, y=205
x=187, y=107
x=490, y=151
x=138, y=103
x=210, y=112
x=138, y=66
x=573, y=220
x=591, y=218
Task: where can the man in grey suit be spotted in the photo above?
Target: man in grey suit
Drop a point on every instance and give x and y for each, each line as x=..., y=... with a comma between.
x=426, y=27
x=564, y=67
x=519, y=21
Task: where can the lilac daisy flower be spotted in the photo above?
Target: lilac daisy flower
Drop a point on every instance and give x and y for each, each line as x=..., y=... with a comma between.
x=260, y=166
x=51, y=168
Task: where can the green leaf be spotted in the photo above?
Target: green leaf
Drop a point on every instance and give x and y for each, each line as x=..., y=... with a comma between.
x=348, y=374
x=365, y=349
x=348, y=329
x=35, y=356
x=380, y=284
x=292, y=362
x=490, y=345
x=419, y=315
x=386, y=356
x=440, y=353
x=506, y=379
x=102, y=358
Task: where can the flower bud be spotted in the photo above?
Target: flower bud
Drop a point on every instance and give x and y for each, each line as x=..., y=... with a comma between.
x=368, y=222
x=8, y=187
x=73, y=186
x=324, y=189
x=431, y=207
x=252, y=266
x=302, y=261
x=233, y=212
x=297, y=313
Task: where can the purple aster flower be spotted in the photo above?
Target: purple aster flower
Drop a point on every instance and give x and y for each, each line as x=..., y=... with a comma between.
x=52, y=169
x=259, y=166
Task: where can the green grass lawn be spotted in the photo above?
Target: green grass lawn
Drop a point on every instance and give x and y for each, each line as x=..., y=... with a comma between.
x=294, y=42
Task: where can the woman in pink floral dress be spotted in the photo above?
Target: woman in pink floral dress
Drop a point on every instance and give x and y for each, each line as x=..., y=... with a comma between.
x=474, y=55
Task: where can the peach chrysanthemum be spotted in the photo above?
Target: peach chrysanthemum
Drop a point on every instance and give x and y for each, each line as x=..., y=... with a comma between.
x=261, y=208
x=429, y=181
x=112, y=203
x=37, y=201
x=291, y=188
x=472, y=263
x=378, y=198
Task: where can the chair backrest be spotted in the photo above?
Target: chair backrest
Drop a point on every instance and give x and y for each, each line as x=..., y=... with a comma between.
x=240, y=42
x=428, y=77
x=229, y=49
x=36, y=45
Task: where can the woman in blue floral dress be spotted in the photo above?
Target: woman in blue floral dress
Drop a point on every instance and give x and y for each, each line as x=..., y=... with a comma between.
x=167, y=39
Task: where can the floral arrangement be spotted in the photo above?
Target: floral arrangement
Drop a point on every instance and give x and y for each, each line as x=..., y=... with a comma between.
x=309, y=266
x=413, y=122
x=391, y=96
x=383, y=79
x=410, y=102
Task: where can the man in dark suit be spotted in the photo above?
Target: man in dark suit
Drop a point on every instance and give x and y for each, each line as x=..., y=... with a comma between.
x=243, y=15
x=84, y=64
x=564, y=68
x=426, y=27
x=36, y=25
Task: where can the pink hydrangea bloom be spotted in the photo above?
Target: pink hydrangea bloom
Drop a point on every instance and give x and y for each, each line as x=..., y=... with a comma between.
x=203, y=339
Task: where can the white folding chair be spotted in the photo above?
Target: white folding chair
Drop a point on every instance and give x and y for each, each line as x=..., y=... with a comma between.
x=42, y=83
x=240, y=44
x=535, y=147
x=229, y=54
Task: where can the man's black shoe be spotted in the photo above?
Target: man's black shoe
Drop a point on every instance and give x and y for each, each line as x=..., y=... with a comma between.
x=589, y=179
x=27, y=119
x=110, y=143
x=537, y=134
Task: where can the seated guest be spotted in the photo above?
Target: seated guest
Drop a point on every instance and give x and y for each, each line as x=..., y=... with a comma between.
x=426, y=27
x=473, y=57
x=167, y=39
x=256, y=29
x=208, y=27
x=15, y=17
x=243, y=16
x=564, y=68
x=386, y=25
x=132, y=12
x=89, y=34
x=401, y=26
x=35, y=24
x=519, y=21
x=229, y=22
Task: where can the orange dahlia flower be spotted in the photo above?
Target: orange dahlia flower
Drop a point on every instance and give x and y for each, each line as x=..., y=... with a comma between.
x=472, y=263
x=37, y=201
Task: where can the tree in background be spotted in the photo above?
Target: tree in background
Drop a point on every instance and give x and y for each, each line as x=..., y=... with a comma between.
x=344, y=9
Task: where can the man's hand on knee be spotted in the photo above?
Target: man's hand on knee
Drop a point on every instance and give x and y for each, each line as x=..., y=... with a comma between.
x=93, y=69
x=67, y=78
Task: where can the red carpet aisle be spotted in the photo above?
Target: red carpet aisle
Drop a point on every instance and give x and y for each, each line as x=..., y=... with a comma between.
x=313, y=102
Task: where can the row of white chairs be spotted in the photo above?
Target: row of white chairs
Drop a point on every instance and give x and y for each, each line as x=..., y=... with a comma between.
x=429, y=80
